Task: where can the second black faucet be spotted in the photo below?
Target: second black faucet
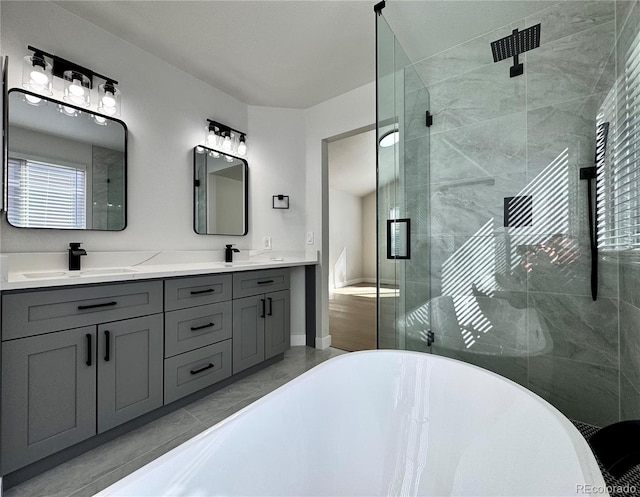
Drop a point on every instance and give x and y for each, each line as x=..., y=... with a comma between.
x=228, y=253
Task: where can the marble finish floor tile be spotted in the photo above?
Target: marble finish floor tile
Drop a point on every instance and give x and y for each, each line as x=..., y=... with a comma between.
x=97, y=469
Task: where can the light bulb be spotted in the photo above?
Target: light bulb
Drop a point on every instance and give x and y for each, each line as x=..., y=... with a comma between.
x=109, y=110
x=33, y=100
x=38, y=76
x=102, y=121
x=214, y=154
x=226, y=144
x=211, y=138
x=108, y=100
x=242, y=147
x=199, y=150
x=76, y=88
x=228, y=158
x=68, y=111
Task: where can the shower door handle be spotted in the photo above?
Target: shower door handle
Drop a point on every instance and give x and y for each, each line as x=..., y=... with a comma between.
x=399, y=238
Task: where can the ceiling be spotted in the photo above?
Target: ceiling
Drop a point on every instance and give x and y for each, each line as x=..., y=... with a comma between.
x=292, y=54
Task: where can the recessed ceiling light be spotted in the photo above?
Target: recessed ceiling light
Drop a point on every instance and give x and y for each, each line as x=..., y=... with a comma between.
x=390, y=138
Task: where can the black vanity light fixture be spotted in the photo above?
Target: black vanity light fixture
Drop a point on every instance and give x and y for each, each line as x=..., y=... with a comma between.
x=280, y=201
x=226, y=139
x=38, y=74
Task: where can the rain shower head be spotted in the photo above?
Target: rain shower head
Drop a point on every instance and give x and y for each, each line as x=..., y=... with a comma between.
x=513, y=45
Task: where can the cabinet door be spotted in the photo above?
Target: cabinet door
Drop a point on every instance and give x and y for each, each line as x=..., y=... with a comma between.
x=48, y=394
x=248, y=332
x=277, y=330
x=130, y=369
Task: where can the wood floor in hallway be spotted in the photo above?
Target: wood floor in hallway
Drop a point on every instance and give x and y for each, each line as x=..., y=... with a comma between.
x=352, y=317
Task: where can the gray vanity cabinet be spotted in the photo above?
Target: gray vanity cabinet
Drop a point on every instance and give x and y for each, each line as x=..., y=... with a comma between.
x=277, y=329
x=48, y=394
x=261, y=322
x=130, y=369
x=248, y=332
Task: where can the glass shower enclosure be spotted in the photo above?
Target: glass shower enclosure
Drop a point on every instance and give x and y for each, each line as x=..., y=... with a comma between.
x=486, y=253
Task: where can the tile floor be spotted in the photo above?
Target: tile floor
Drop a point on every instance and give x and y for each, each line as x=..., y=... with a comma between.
x=97, y=469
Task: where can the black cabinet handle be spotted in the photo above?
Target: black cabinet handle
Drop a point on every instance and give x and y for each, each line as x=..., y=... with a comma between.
x=264, y=282
x=196, y=328
x=95, y=306
x=270, y=306
x=262, y=315
x=203, y=368
x=89, y=349
x=199, y=292
x=107, y=345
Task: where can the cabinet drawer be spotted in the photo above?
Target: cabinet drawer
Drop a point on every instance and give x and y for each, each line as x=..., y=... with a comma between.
x=180, y=293
x=192, y=371
x=38, y=312
x=189, y=329
x=249, y=283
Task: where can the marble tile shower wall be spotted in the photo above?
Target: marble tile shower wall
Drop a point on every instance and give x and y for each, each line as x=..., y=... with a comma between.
x=495, y=137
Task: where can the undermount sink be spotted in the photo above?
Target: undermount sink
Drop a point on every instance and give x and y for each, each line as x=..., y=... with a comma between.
x=86, y=272
x=113, y=270
x=48, y=274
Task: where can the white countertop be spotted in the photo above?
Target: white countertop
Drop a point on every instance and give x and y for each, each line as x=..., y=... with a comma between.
x=44, y=270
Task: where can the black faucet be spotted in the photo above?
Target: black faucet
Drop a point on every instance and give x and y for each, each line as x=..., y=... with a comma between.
x=228, y=253
x=75, y=252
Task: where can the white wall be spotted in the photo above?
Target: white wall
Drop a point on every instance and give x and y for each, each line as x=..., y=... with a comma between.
x=369, y=237
x=351, y=111
x=165, y=111
x=345, y=239
x=276, y=141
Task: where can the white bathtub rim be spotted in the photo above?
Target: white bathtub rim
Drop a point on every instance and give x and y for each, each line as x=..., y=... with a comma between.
x=586, y=459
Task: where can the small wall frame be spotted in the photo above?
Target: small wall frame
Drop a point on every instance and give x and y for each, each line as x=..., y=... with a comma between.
x=280, y=201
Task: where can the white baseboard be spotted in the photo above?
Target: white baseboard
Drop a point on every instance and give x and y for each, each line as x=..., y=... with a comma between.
x=323, y=342
x=298, y=340
x=355, y=281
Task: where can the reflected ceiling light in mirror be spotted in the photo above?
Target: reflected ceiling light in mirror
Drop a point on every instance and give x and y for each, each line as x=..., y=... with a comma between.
x=33, y=100
x=68, y=111
x=226, y=139
x=390, y=138
x=199, y=150
x=109, y=99
x=214, y=154
x=228, y=158
x=37, y=74
x=99, y=120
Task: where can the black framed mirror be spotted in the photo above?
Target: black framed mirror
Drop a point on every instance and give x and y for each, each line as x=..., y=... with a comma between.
x=220, y=193
x=66, y=167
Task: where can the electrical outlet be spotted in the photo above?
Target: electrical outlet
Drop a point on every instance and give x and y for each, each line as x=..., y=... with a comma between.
x=266, y=242
x=309, y=237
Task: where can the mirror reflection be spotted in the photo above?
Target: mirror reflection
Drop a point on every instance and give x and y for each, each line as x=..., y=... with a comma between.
x=66, y=166
x=220, y=193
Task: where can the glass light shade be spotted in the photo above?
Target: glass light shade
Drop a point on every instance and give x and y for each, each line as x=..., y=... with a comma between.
x=242, y=146
x=110, y=99
x=227, y=143
x=77, y=88
x=211, y=138
x=36, y=74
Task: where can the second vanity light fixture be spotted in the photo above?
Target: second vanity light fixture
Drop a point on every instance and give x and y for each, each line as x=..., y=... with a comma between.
x=38, y=74
x=226, y=139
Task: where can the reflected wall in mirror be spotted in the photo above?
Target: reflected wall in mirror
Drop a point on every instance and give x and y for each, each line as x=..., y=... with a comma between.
x=220, y=193
x=66, y=166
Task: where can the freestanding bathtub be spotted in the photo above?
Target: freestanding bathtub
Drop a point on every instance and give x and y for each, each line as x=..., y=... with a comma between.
x=381, y=423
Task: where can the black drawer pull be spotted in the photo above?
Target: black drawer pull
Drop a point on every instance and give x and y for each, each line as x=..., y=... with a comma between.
x=264, y=282
x=199, y=292
x=107, y=345
x=270, y=306
x=262, y=315
x=95, y=306
x=196, y=328
x=89, y=349
x=203, y=368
